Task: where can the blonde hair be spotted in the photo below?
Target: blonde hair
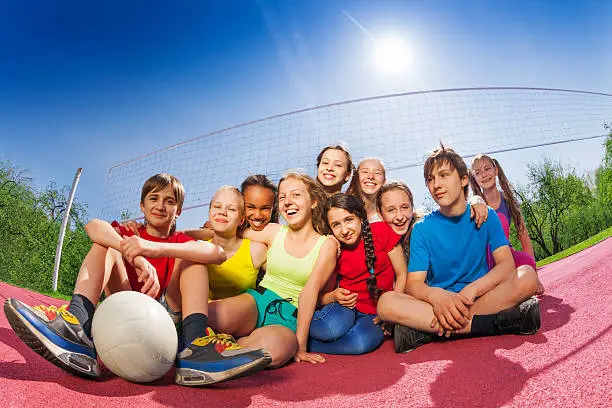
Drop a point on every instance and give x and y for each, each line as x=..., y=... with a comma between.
x=233, y=190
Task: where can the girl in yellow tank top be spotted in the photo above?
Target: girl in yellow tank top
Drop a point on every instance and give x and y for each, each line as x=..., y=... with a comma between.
x=244, y=257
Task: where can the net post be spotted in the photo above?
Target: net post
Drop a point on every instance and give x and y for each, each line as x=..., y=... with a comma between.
x=65, y=218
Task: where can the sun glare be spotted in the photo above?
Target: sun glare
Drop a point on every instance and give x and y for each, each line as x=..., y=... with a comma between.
x=392, y=56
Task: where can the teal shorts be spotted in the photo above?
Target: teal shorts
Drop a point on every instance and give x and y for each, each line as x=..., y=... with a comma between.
x=273, y=309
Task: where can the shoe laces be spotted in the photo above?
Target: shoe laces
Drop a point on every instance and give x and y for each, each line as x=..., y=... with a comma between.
x=52, y=311
x=225, y=340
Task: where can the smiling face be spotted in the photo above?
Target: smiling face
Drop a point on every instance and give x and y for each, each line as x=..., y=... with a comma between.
x=345, y=226
x=485, y=173
x=259, y=203
x=294, y=202
x=447, y=188
x=160, y=209
x=396, y=210
x=333, y=170
x=371, y=175
x=226, y=212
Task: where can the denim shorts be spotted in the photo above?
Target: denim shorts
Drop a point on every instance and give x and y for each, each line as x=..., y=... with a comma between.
x=272, y=309
x=175, y=316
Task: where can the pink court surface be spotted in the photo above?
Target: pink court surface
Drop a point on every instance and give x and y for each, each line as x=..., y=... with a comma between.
x=566, y=364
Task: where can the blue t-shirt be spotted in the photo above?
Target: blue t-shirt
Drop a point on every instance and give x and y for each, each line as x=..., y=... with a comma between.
x=452, y=250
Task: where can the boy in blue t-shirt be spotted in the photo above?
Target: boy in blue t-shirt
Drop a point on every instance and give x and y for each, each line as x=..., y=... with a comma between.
x=450, y=290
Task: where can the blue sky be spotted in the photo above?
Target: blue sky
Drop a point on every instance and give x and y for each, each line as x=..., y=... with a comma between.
x=93, y=85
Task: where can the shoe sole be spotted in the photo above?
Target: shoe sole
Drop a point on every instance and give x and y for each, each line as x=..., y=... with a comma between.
x=74, y=363
x=196, y=378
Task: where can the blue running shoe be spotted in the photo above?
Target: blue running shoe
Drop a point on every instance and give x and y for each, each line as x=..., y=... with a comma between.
x=215, y=358
x=55, y=334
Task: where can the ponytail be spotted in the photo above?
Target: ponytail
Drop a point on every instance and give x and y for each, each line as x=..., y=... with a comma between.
x=508, y=192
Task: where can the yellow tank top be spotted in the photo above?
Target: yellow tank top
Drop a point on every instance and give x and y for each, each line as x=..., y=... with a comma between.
x=286, y=275
x=233, y=276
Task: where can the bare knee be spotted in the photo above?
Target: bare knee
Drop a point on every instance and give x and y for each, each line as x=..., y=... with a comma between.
x=279, y=341
x=389, y=305
x=384, y=307
x=527, y=282
x=282, y=350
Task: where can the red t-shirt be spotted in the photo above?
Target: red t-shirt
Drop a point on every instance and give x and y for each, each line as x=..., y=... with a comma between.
x=353, y=272
x=163, y=265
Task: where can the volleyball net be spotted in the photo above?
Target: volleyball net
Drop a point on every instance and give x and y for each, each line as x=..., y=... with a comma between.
x=400, y=129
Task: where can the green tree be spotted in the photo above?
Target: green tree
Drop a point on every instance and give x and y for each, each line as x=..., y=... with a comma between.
x=54, y=201
x=29, y=233
x=552, y=194
x=603, y=174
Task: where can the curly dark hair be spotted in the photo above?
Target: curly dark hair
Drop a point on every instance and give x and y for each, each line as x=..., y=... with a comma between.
x=260, y=180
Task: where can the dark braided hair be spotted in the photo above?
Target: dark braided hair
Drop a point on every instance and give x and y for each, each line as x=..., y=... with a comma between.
x=507, y=191
x=354, y=206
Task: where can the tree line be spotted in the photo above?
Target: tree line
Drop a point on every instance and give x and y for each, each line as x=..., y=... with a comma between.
x=29, y=228
x=561, y=208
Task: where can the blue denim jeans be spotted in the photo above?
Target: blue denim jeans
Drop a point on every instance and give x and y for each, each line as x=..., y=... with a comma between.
x=335, y=329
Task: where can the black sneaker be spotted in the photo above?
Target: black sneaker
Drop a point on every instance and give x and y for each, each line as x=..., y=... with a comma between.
x=215, y=358
x=407, y=339
x=55, y=334
x=521, y=319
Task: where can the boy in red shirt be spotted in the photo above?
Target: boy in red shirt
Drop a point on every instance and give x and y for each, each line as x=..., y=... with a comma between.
x=161, y=263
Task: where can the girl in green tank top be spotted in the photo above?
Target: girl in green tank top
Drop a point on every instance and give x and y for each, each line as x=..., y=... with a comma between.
x=300, y=260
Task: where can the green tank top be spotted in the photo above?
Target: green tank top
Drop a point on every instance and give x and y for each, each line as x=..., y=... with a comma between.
x=286, y=275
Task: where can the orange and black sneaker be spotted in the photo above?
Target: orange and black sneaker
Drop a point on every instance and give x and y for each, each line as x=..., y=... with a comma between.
x=215, y=358
x=55, y=334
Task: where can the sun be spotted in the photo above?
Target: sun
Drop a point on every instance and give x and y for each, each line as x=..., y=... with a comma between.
x=392, y=56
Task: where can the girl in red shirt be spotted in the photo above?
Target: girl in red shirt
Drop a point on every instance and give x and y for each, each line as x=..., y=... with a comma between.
x=371, y=262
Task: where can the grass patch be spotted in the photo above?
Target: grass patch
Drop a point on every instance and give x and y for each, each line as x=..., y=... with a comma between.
x=57, y=295
x=577, y=248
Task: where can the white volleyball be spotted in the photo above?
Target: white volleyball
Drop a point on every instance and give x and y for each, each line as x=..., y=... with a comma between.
x=134, y=336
